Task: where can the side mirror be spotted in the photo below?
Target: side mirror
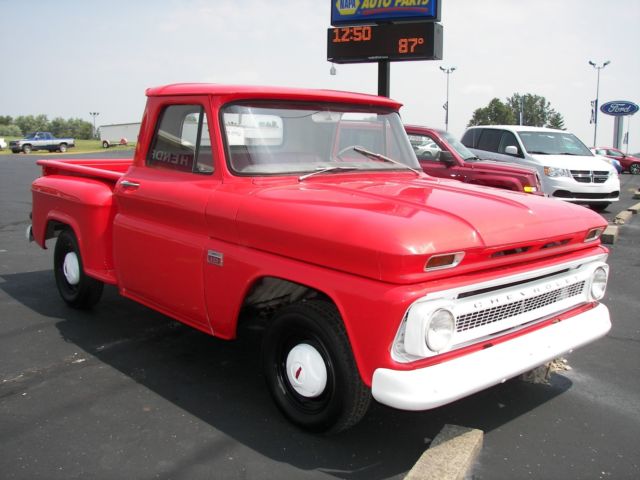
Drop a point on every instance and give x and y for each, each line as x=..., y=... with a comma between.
x=447, y=158
x=511, y=150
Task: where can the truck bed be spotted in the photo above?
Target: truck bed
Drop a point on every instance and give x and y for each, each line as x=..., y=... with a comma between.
x=105, y=169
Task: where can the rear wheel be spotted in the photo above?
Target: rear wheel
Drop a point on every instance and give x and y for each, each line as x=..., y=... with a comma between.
x=310, y=370
x=634, y=168
x=76, y=288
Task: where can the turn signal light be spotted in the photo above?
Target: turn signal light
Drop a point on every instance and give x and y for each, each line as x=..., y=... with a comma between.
x=593, y=234
x=439, y=262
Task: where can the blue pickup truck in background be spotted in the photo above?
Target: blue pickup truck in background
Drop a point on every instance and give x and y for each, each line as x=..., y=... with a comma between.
x=41, y=141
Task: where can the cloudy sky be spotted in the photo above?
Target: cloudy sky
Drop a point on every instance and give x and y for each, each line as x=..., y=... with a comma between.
x=69, y=57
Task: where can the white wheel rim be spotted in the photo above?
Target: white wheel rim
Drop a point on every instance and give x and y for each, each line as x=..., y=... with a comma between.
x=306, y=370
x=71, y=268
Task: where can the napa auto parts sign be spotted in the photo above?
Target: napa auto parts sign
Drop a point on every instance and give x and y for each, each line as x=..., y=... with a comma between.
x=619, y=108
x=354, y=12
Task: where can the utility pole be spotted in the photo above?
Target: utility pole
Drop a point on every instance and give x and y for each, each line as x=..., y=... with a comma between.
x=94, y=115
x=596, y=105
x=448, y=71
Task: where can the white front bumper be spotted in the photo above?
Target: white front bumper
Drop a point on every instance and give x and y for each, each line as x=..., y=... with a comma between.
x=437, y=385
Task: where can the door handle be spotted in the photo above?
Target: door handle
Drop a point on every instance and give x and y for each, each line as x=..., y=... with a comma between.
x=129, y=184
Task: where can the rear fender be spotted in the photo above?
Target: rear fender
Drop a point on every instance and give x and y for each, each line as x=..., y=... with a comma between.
x=85, y=205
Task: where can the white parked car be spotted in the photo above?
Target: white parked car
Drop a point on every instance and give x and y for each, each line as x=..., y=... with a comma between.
x=3, y=144
x=568, y=170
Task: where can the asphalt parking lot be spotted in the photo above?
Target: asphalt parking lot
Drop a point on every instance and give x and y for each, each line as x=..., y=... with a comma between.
x=124, y=392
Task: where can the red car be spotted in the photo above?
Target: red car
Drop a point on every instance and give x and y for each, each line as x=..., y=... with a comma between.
x=629, y=163
x=442, y=155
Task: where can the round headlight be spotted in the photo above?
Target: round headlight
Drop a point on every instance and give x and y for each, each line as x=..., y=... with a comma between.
x=598, y=283
x=440, y=330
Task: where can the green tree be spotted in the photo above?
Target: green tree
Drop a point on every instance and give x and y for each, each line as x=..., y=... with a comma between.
x=537, y=112
x=496, y=113
x=5, y=120
x=29, y=123
x=556, y=121
x=10, y=131
x=79, y=128
x=58, y=127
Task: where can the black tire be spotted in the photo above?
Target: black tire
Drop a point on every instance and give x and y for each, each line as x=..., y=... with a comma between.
x=83, y=292
x=62, y=147
x=634, y=168
x=599, y=207
x=344, y=400
x=105, y=144
x=26, y=149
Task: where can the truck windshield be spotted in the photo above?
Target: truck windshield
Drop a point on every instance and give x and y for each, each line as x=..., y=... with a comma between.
x=280, y=138
x=553, y=143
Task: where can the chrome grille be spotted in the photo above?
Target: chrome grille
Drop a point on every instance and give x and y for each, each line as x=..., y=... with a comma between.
x=590, y=176
x=495, y=314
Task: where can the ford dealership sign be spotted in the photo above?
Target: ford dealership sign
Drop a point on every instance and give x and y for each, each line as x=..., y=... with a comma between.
x=619, y=108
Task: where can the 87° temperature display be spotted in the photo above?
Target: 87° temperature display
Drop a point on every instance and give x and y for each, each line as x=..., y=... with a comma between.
x=393, y=42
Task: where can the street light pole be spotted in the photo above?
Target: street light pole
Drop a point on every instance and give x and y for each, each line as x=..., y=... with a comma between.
x=448, y=71
x=596, y=105
x=94, y=115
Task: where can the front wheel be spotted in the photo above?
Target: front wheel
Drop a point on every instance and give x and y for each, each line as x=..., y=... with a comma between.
x=62, y=147
x=310, y=370
x=105, y=144
x=634, y=168
x=76, y=288
x=26, y=149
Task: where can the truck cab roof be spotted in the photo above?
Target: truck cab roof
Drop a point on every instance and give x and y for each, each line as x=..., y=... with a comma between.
x=268, y=92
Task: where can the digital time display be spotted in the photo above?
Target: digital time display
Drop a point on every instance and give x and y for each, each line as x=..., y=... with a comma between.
x=393, y=42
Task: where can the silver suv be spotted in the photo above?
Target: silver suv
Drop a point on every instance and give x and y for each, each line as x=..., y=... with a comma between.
x=567, y=168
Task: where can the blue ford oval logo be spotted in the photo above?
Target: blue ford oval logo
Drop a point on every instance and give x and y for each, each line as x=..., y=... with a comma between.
x=619, y=108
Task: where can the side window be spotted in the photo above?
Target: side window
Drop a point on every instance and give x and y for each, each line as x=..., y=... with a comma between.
x=489, y=140
x=613, y=153
x=425, y=147
x=181, y=141
x=469, y=139
x=508, y=140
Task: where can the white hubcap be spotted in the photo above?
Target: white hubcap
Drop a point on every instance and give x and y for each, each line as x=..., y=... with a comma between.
x=306, y=370
x=71, y=268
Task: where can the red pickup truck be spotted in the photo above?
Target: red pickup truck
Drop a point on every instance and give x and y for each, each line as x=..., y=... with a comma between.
x=442, y=155
x=373, y=278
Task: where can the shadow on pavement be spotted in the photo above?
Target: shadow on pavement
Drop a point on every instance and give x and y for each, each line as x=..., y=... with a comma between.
x=220, y=383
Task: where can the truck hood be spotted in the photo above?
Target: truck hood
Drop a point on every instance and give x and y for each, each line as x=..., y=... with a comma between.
x=574, y=162
x=387, y=226
x=505, y=167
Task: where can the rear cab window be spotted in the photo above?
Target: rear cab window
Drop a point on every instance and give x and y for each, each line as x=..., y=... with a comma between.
x=181, y=141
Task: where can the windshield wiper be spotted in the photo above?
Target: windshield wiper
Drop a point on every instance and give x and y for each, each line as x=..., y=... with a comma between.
x=379, y=156
x=539, y=153
x=326, y=170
